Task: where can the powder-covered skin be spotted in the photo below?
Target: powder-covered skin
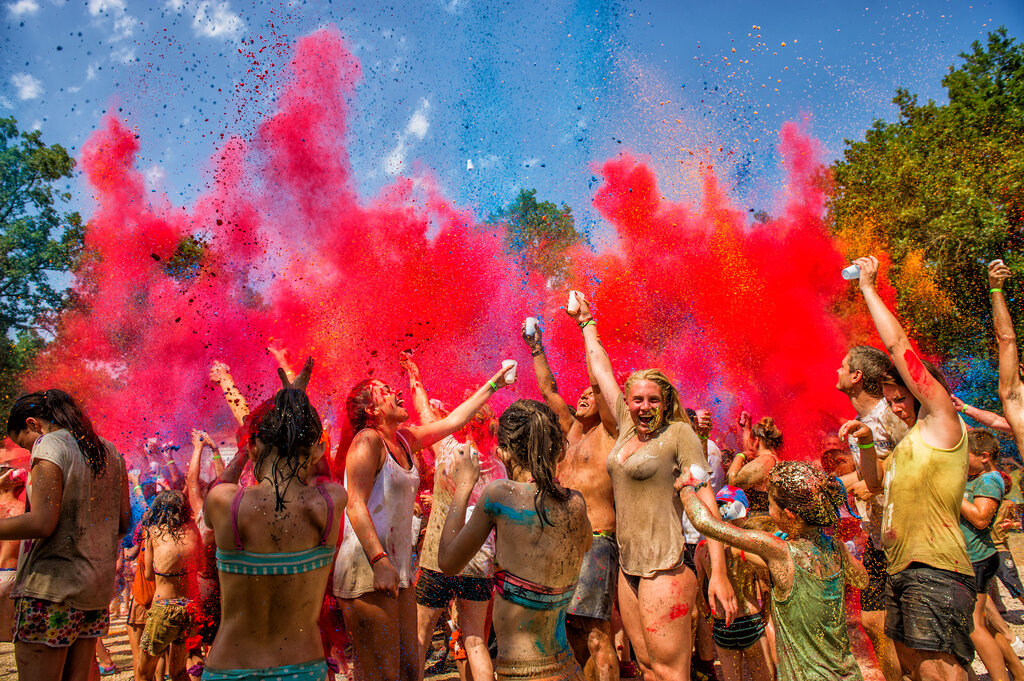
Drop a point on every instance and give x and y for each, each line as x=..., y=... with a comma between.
x=647, y=507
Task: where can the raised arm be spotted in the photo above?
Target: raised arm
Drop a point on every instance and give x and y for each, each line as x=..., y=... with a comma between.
x=940, y=423
x=745, y=474
x=598, y=363
x=192, y=486
x=606, y=412
x=420, y=399
x=460, y=540
x=872, y=470
x=428, y=433
x=546, y=380
x=1011, y=390
x=221, y=375
x=989, y=419
x=280, y=354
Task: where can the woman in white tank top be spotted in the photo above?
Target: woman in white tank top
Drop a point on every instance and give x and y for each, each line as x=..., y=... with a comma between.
x=373, y=571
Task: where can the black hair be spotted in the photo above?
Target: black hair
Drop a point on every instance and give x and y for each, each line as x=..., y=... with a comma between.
x=169, y=512
x=289, y=424
x=529, y=433
x=60, y=409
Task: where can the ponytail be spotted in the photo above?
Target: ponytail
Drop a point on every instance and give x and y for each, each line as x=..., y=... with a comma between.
x=60, y=409
x=528, y=431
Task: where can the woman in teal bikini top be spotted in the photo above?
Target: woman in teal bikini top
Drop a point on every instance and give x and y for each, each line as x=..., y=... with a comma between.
x=541, y=533
x=283, y=532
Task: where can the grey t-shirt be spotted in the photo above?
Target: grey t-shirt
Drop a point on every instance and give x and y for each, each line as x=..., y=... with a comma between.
x=76, y=564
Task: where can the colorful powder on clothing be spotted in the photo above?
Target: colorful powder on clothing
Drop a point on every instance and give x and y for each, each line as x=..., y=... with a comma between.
x=737, y=314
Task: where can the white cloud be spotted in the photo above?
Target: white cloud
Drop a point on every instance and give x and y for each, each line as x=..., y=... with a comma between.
x=22, y=7
x=36, y=125
x=176, y=5
x=28, y=86
x=394, y=163
x=5, y=103
x=216, y=20
x=91, y=70
x=531, y=162
x=154, y=175
x=97, y=7
x=418, y=124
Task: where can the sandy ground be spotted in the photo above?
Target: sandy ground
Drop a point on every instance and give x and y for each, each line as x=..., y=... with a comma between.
x=117, y=640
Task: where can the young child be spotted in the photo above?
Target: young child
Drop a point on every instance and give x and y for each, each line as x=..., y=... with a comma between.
x=808, y=568
x=743, y=644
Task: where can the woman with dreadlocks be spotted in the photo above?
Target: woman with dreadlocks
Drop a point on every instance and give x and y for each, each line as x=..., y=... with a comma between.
x=78, y=509
x=541, y=533
x=807, y=565
x=374, y=570
x=172, y=557
x=276, y=540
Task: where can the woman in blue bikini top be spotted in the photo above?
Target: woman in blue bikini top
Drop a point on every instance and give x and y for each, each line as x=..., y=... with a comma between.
x=276, y=540
x=541, y=533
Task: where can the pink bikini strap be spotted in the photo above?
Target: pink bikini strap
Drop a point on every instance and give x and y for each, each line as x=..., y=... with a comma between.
x=330, y=514
x=235, y=503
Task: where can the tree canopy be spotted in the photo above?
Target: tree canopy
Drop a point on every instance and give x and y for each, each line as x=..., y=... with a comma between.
x=539, y=233
x=941, y=190
x=37, y=242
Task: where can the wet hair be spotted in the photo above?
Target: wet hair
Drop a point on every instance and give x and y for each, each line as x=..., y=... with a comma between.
x=358, y=401
x=768, y=433
x=980, y=440
x=872, y=364
x=892, y=376
x=60, y=409
x=289, y=424
x=669, y=395
x=764, y=523
x=529, y=433
x=809, y=492
x=168, y=513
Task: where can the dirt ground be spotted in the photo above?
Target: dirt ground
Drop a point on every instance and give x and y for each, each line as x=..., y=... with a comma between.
x=117, y=640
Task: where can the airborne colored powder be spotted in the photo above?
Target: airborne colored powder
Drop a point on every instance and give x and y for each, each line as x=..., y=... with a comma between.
x=736, y=314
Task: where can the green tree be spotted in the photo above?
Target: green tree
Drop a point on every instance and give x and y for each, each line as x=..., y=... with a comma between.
x=538, y=234
x=941, y=190
x=37, y=243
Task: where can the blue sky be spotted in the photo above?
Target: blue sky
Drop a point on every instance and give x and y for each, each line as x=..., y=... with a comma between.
x=491, y=97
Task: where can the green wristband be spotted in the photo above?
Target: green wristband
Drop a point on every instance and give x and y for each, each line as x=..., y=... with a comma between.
x=494, y=386
x=866, y=446
x=587, y=323
x=995, y=290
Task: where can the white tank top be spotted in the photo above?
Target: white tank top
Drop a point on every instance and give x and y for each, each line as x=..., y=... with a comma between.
x=390, y=505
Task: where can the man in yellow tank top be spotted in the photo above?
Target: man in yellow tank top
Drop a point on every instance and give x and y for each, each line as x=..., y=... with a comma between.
x=930, y=596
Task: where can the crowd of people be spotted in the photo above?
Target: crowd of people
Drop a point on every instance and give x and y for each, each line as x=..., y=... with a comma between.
x=613, y=538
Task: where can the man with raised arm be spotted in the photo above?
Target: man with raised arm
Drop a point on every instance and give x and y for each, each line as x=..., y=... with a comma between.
x=1011, y=371
x=860, y=378
x=930, y=596
x=590, y=431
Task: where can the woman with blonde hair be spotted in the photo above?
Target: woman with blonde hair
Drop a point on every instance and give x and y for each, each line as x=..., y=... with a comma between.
x=657, y=585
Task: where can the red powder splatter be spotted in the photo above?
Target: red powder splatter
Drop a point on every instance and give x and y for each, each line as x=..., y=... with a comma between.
x=678, y=610
x=737, y=314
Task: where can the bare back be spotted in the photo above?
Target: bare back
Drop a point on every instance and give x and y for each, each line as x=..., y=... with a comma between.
x=10, y=506
x=271, y=620
x=548, y=555
x=177, y=559
x=585, y=469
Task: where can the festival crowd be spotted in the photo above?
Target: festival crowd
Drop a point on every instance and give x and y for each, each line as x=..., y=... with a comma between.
x=610, y=538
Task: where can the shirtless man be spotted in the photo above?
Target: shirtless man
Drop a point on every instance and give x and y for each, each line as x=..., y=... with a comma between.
x=590, y=431
x=12, y=483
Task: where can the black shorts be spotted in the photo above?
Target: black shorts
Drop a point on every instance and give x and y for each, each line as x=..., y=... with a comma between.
x=744, y=632
x=984, y=570
x=599, y=573
x=1007, y=574
x=872, y=597
x=436, y=590
x=931, y=609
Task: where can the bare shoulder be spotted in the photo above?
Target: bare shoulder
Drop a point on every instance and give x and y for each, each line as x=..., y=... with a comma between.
x=218, y=499
x=338, y=493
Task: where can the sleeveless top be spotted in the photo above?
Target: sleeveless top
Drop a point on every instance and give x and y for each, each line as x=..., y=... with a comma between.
x=242, y=562
x=810, y=627
x=390, y=506
x=924, y=487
